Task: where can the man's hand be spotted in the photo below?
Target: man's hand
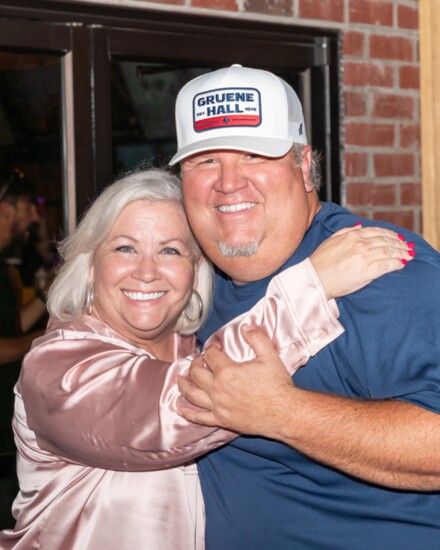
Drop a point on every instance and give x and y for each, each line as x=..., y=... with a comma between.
x=242, y=397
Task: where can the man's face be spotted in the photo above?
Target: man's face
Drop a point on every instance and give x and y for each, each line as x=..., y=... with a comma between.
x=249, y=213
x=24, y=213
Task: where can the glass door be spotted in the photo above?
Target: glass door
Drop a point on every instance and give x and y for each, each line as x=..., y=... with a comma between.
x=31, y=143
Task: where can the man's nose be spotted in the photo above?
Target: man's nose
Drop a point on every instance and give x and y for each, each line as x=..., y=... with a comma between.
x=230, y=178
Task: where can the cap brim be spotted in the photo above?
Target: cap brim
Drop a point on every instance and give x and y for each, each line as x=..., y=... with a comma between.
x=267, y=147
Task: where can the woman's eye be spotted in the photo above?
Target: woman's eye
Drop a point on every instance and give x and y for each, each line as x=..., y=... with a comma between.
x=125, y=248
x=170, y=250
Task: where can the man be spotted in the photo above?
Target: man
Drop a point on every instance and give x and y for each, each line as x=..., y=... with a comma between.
x=17, y=213
x=349, y=457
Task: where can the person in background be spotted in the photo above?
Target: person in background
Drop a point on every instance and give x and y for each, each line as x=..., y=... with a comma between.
x=17, y=213
x=349, y=457
x=104, y=458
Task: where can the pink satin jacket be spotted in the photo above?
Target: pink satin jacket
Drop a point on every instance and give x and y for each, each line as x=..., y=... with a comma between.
x=104, y=460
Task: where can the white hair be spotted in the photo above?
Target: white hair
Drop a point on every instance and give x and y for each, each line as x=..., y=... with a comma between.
x=243, y=250
x=67, y=295
x=315, y=174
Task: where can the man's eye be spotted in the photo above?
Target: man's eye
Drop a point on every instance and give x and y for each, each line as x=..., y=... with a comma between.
x=171, y=250
x=207, y=160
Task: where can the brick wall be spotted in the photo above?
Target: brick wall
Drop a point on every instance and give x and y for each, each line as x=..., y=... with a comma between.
x=380, y=94
x=382, y=113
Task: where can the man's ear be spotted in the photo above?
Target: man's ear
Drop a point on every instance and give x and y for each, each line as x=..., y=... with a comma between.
x=306, y=164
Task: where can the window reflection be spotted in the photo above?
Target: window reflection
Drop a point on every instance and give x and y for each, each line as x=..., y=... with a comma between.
x=143, y=97
x=30, y=127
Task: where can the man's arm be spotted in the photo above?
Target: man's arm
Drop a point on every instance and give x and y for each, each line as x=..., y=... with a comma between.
x=386, y=442
x=13, y=349
x=31, y=313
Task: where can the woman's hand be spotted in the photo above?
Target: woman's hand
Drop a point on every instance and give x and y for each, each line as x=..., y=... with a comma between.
x=353, y=257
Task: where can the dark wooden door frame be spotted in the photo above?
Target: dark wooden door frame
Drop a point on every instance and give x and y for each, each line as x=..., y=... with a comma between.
x=89, y=37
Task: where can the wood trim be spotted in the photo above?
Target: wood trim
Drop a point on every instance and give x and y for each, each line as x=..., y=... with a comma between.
x=430, y=118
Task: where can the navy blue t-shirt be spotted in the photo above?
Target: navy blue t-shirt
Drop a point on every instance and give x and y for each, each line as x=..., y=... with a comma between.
x=263, y=495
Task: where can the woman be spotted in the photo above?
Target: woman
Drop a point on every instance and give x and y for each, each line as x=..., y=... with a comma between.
x=99, y=439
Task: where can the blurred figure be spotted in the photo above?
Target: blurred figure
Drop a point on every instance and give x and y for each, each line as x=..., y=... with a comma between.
x=17, y=212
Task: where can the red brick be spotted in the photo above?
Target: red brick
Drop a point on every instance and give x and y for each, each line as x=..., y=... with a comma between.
x=374, y=135
x=402, y=218
x=410, y=136
x=332, y=10
x=356, y=164
x=392, y=106
x=411, y=194
x=368, y=74
x=355, y=104
x=409, y=77
x=407, y=17
x=359, y=194
x=175, y=2
x=373, y=12
x=371, y=194
x=398, y=48
x=354, y=44
x=385, y=194
x=230, y=5
x=274, y=7
x=393, y=164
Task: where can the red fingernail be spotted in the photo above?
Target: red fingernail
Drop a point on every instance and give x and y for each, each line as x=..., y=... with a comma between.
x=404, y=261
x=412, y=253
x=358, y=224
x=410, y=245
x=401, y=237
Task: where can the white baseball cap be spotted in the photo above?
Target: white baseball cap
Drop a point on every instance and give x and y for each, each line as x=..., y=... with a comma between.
x=238, y=109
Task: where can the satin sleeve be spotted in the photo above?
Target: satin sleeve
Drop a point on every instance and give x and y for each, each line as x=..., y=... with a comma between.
x=93, y=401
x=295, y=313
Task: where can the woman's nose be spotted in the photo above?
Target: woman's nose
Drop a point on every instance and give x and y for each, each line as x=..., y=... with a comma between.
x=147, y=269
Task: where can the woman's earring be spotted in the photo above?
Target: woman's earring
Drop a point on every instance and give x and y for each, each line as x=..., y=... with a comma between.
x=90, y=296
x=199, y=305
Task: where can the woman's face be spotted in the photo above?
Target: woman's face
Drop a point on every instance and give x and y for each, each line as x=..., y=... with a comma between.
x=143, y=274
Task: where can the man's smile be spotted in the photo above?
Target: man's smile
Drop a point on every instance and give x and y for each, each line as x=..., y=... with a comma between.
x=226, y=208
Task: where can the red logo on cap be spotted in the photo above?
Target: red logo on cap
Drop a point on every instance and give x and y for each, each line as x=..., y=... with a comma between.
x=226, y=107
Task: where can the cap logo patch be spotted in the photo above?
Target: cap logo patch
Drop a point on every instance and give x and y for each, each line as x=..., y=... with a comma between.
x=226, y=107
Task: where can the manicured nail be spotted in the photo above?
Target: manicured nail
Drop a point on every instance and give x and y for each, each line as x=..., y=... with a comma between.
x=412, y=253
x=404, y=261
x=410, y=245
x=358, y=224
x=401, y=237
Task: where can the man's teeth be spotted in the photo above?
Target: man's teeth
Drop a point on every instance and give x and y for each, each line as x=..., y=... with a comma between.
x=236, y=207
x=143, y=296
